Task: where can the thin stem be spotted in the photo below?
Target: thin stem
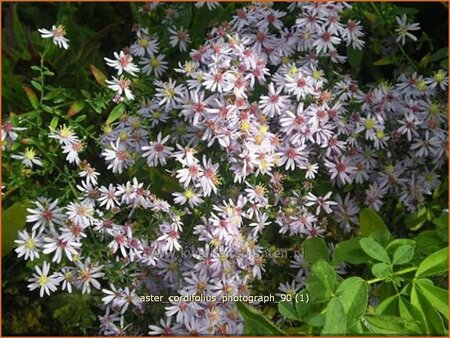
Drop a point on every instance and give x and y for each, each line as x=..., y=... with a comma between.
x=398, y=273
x=380, y=16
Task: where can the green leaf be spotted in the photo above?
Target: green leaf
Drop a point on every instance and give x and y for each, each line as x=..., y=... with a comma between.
x=54, y=122
x=354, y=295
x=403, y=255
x=36, y=85
x=354, y=58
x=314, y=249
x=434, y=322
x=381, y=270
x=392, y=246
x=371, y=225
x=116, y=113
x=440, y=54
x=288, y=310
x=98, y=75
x=13, y=220
x=434, y=264
x=321, y=281
x=428, y=242
x=75, y=108
x=19, y=34
x=255, y=323
x=31, y=97
x=411, y=312
x=373, y=249
x=315, y=319
x=349, y=251
x=384, y=61
x=435, y=295
x=335, y=320
x=390, y=325
x=417, y=219
x=388, y=306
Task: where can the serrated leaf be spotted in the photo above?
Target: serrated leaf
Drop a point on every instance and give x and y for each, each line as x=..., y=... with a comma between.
x=374, y=250
x=255, y=323
x=434, y=264
x=403, y=255
x=13, y=220
x=116, y=113
x=335, y=320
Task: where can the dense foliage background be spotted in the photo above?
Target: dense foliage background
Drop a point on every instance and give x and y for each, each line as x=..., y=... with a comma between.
x=74, y=96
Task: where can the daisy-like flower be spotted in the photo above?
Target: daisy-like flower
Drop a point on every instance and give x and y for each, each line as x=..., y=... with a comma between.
x=121, y=86
x=28, y=158
x=42, y=280
x=321, y=202
x=8, y=132
x=118, y=157
x=179, y=37
x=64, y=135
x=123, y=62
x=72, y=150
x=188, y=196
x=404, y=29
x=60, y=245
x=341, y=169
x=89, y=174
x=157, y=152
x=28, y=246
x=166, y=328
x=144, y=44
x=45, y=214
x=109, y=197
x=57, y=34
x=155, y=64
x=274, y=103
x=87, y=274
x=81, y=213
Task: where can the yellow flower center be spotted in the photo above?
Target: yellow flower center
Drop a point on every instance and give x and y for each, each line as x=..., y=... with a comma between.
x=369, y=124
x=439, y=76
x=29, y=154
x=189, y=194
x=154, y=62
x=30, y=244
x=42, y=280
x=143, y=42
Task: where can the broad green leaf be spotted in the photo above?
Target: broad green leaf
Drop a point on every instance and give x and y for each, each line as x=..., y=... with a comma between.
x=381, y=270
x=411, y=312
x=349, y=251
x=373, y=249
x=314, y=249
x=388, y=306
x=335, y=320
x=417, y=219
x=403, y=255
x=116, y=113
x=434, y=322
x=435, y=295
x=371, y=225
x=391, y=325
x=321, y=281
x=315, y=319
x=287, y=309
x=354, y=294
x=256, y=324
x=434, y=264
x=428, y=242
x=31, y=97
x=75, y=108
x=370, y=16
x=13, y=220
x=392, y=246
x=302, y=307
x=54, y=122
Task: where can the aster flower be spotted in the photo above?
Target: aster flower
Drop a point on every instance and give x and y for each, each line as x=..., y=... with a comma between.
x=189, y=196
x=57, y=34
x=42, y=280
x=123, y=63
x=157, y=152
x=121, y=86
x=179, y=37
x=59, y=245
x=404, y=29
x=27, y=245
x=45, y=214
x=28, y=158
x=87, y=274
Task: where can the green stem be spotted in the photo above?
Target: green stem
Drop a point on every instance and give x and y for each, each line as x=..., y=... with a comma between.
x=398, y=273
x=380, y=16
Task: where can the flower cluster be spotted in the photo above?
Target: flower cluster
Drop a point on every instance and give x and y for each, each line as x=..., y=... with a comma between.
x=260, y=104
